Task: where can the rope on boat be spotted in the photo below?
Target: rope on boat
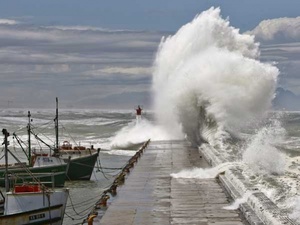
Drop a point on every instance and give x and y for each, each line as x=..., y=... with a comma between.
x=2, y=157
x=110, y=168
x=79, y=213
x=41, y=132
x=49, y=205
x=72, y=217
x=101, y=167
x=27, y=171
x=64, y=129
x=82, y=203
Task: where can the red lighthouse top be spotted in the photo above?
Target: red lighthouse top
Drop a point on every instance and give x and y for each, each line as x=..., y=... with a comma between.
x=139, y=111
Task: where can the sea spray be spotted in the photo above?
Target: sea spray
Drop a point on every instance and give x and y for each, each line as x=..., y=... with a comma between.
x=236, y=204
x=208, y=75
x=204, y=173
x=294, y=206
x=137, y=133
x=261, y=152
x=209, y=85
x=121, y=152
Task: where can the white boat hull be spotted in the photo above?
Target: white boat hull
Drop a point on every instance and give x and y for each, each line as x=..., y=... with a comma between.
x=35, y=208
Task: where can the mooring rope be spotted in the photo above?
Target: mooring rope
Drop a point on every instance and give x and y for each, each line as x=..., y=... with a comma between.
x=117, y=182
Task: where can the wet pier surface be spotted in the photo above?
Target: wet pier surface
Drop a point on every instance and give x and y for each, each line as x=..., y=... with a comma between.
x=151, y=196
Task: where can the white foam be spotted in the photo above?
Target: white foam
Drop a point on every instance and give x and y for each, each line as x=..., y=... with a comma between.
x=203, y=173
x=294, y=205
x=121, y=152
x=236, y=204
x=262, y=153
x=209, y=64
x=136, y=133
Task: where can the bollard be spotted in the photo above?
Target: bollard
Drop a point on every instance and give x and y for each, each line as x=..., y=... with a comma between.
x=121, y=178
x=91, y=219
x=126, y=169
x=113, y=189
x=103, y=201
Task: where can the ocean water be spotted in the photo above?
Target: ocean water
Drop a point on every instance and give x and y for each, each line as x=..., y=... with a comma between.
x=271, y=151
x=116, y=132
x=112, y=131
x=210, y=87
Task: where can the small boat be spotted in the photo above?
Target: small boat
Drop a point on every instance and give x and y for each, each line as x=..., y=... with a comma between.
x=31, y=202
x=81, y=160
x=45, y=172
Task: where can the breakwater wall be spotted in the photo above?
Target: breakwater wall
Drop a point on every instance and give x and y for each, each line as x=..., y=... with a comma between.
x=257, y=208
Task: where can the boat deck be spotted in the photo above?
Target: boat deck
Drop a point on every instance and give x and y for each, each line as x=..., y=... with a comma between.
x=151, y=196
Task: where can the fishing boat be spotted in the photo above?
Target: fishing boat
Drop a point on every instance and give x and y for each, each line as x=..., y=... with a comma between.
x=55, y=168
x=81, y=160
x=45, y=174
x=30, y=202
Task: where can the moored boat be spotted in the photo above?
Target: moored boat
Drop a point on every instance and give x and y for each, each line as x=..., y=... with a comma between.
x=81, y=168
x=22, y=171
x=31, y=202
x=45, y=174
x=81, y=160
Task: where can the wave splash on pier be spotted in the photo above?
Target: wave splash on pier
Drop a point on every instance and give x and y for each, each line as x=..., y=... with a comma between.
x=136, y=133
x=210, y=87
x=208, y=77
x=209, y=84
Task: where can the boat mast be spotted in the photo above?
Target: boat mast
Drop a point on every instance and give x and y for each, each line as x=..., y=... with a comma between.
x=56, y=128
x=29, y=137
x=6, y=143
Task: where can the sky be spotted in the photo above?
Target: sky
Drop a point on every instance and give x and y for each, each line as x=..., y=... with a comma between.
x=99, y=54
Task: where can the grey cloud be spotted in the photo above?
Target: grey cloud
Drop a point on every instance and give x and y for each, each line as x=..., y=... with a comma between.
x=39, y=63
x=51, y=40
x=280, y=30
x=280, y=44
x=287, y=59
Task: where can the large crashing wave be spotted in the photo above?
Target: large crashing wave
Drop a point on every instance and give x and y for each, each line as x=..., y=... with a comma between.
x=208, y=77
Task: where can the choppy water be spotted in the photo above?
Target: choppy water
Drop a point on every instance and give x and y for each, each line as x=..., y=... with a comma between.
x=87, y=127
x=108, y=129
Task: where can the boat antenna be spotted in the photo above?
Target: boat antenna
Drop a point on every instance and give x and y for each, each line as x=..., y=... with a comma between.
x=6, y=143
x=29, y=137
x=56, y=128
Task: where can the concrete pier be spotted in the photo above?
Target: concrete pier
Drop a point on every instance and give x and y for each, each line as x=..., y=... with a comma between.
x=151, y=196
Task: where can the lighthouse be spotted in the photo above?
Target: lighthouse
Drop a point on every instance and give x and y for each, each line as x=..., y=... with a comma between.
x=138, y=114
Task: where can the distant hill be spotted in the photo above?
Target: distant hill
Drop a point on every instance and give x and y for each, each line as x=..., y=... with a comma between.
x=287, y=100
